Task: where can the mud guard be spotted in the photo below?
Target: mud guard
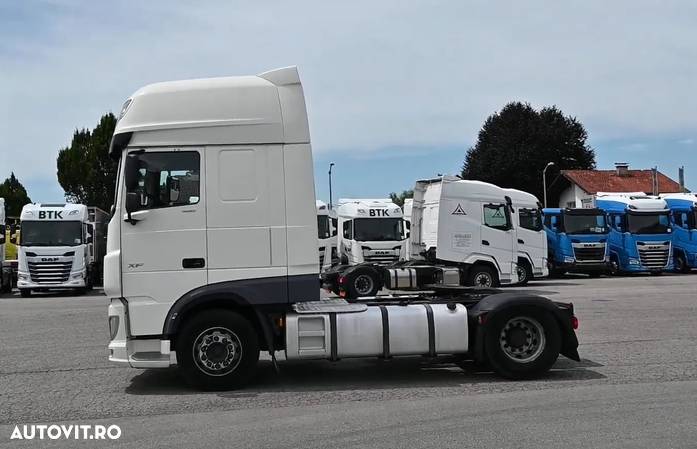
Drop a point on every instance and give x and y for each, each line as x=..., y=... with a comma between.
x=488, y=307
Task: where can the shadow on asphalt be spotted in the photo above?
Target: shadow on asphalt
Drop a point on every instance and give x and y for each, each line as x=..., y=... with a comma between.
x=368, y=374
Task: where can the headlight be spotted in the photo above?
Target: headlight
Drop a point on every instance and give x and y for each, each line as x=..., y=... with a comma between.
x=634, y=262
x=569, y=259
x=23, y=277
x=76, y=276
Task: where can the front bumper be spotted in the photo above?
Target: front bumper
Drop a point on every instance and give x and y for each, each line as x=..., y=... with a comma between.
x=76, y=280
x=584, y=267
x=135, y=352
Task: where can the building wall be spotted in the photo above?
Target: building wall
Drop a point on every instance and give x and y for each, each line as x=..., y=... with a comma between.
x=574, y=196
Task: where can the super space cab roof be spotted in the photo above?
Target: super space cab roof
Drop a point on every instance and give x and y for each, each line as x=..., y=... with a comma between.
x=54, y=212
x=266, y=108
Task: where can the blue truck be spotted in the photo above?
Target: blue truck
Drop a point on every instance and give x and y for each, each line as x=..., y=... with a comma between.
x=683, y=214
x=640, y=239
x=576, y=241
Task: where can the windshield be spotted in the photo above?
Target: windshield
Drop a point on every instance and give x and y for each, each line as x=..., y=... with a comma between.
x=530, y=219
x=648, y=223
x=585, y=224
x=323, y=231
x=51, y=233
x=377, y=229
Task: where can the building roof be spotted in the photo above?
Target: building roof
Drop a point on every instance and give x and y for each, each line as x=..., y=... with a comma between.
x=594, y=181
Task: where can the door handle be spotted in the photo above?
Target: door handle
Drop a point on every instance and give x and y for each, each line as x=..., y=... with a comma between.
x=198, y=262
x=485, y=242
x=521, y=241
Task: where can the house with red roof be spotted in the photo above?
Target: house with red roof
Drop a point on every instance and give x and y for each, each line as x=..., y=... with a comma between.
x=577, y=188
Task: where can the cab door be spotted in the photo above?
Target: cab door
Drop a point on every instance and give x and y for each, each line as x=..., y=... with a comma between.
x=163, y=239
x=498, y=239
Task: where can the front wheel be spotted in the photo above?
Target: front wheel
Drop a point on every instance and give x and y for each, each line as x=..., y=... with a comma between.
x=524, y=274
x=681, y=264
x=218, y=349
x=522, y=343
x=483, y=276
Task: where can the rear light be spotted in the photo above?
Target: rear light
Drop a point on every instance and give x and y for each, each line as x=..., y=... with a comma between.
x=342, y=279
x=342, y=294
x=574, y=322
x=481, y=319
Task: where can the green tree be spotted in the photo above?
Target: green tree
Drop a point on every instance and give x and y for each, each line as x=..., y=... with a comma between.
x=398, y=198
x=85, y=171
x=516, y=143
x=15, y=196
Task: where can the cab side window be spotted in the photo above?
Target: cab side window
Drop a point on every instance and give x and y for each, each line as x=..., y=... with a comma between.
x=347, y=230
x=497, y=216
x=168, y=179
x=678, y=219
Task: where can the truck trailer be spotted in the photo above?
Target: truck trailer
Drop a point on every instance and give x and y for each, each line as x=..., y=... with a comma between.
x=683, y=213
x=532, y=239
x=577, y=241
x=60, y=246
x=216, y=273
x=640, y=237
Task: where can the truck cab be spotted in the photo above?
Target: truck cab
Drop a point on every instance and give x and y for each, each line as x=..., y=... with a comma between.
x=577, y=240
x=640, y=238
x=683, y=213
x=466, y=224
x=326, y=235
x=370, y=231
x=532, y=239
x=55, y=248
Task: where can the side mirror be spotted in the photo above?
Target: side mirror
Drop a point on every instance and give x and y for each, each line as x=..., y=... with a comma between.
x=89, y=239
x=132, y=205
x=408, y=234
x=130, y=172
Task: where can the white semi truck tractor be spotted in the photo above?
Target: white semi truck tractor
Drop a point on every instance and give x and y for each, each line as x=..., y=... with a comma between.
x=461, y=234
x=5, y=270
x=61, y=246
x=532, y=239
x=212, y=251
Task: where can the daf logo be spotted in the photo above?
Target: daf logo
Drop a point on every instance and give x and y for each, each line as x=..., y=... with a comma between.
x=382, y=253
x=588, y=245
x=49, y=259
x=654, y=247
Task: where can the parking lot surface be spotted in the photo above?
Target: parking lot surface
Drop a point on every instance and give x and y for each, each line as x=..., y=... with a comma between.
x=635, y=387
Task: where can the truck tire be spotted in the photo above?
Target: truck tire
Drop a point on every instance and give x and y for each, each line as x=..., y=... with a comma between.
x=25, y=292
x=615, y=266
x=681, y=265
x=482, y=276
x=522, y=342
x=524, y=273
x=217, y=349
x=363, y=282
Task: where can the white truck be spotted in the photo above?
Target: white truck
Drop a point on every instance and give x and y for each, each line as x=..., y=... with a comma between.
x=532, y=239
x=206, y=277
x=61, y=246
x=326, y=235
x=5, y=271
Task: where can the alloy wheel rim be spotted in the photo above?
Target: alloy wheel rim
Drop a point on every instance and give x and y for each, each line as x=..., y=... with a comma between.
x=217, y=351
x=522, y=339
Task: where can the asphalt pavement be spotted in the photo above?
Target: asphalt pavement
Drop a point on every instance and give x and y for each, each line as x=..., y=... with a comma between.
x=635, y=387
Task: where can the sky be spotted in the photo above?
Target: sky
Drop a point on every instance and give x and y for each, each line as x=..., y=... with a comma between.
x=396, y=91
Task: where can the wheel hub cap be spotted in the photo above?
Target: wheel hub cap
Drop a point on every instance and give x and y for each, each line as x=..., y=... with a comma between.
x=522, y=339
x=217, y=351
x=483, y=280
x=363, y=284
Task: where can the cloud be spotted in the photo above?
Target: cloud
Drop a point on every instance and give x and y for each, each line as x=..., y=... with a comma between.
x=376, y=74
x=686, y=141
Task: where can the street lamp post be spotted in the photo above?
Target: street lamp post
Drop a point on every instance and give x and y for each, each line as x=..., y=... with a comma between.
x=544, y=181
x=330, y=184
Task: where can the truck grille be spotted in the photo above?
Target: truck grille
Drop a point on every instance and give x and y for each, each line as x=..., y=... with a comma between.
x=382, y=259
x=654, y=255
x=589, y=252
x=50, y=272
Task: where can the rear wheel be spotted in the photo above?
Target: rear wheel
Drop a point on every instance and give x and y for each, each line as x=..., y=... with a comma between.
x=681, y=264
x=363, y=282
x=25, y=292
x=483, y=276
x=522, y=342
x=218, y=349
